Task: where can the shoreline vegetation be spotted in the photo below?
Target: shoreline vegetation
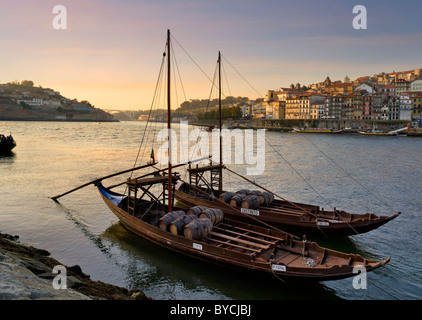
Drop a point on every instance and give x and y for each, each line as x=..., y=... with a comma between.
x=26, y=273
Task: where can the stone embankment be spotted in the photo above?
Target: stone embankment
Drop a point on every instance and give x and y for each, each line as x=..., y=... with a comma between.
x=26, y=273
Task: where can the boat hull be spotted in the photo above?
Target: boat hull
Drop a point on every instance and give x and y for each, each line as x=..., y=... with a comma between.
x=298, y=224
x=7, y=146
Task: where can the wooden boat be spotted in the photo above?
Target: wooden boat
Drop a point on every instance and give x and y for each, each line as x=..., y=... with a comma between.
x=205, y=186
x=222, y=240
x=6, y=144
x=237, y=244
x=316, y=130
x=378, y=133
x=294, y=217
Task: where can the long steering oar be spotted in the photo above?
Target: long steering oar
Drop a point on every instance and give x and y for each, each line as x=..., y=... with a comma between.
x=100, y=179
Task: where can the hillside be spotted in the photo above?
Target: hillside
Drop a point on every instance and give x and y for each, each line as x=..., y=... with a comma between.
x=24, y=101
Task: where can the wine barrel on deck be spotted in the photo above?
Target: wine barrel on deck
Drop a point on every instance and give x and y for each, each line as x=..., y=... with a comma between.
x=165, y=221
x=177, y=226
x=266, y=198
x=196, y=210
x=198, y=229
x=237, y=199
x=215, y=215
x=250, y=202
x=226, y=196
x=242, y=191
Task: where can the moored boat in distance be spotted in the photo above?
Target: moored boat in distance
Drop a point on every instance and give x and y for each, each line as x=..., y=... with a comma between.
x=317, y=130
x=6, y=144
x=375, y=132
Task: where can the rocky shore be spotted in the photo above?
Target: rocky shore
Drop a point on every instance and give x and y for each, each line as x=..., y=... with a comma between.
x=26, y=273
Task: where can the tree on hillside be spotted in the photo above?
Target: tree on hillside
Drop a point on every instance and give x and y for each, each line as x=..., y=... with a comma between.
x=27, y=83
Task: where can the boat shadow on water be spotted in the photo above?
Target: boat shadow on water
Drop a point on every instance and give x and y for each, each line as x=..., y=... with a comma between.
x=195, y=274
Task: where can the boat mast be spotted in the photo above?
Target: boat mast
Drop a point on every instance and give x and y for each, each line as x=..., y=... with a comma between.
x=220, y=180
x=170, y=196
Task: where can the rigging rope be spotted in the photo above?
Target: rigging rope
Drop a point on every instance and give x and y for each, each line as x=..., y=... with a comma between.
x=150, y=110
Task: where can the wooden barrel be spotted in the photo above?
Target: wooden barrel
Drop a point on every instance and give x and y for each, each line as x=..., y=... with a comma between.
x=250, y=202
x=254, y=192
x=196, y=210
x=237, y=199
x=177, y=226
x=266, y=198
x=242, y=191
x=198, y=229
x=215, y=215
x=164, y=222
x=226, y=196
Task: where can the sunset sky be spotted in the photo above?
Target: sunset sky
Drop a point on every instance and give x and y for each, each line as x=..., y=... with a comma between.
x=111, y=51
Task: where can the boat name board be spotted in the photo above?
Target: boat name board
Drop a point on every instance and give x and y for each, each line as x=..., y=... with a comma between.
x=278, y=267
x=250, y=211
x=197, y=246
x=323, y=223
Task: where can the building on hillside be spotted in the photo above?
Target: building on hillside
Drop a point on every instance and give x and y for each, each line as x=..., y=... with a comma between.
x=410, y=75
x=33, y=102
x=299, y=106
x=364, y=86
x=388, y=90
x=401, y=86
x=342, y=88
x=416, y=85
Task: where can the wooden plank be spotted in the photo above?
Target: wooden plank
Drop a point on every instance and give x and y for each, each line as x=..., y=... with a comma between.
x=246, y=235
x=233, y=245
x=256, y=232
x=224, y=236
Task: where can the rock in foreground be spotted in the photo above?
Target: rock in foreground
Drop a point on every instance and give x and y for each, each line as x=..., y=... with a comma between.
x=26, y=273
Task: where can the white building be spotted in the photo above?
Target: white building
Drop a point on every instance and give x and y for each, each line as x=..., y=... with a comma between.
x=365, y=87
x=52, y=103
x=416, y=85
x=405, y=107
x=34, y=102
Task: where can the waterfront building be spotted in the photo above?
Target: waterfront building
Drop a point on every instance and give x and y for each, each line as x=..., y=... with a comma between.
x=347, y=109
x=317, y=110
x=367, y=106
x=357, y=104
x=390, y=109
x=378, y=101
x=416, y=98
x=337, y=102
x=405, y=107
x=298, y=106
x=275, y=109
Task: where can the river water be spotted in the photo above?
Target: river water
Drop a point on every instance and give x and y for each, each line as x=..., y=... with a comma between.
x=354, y=173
